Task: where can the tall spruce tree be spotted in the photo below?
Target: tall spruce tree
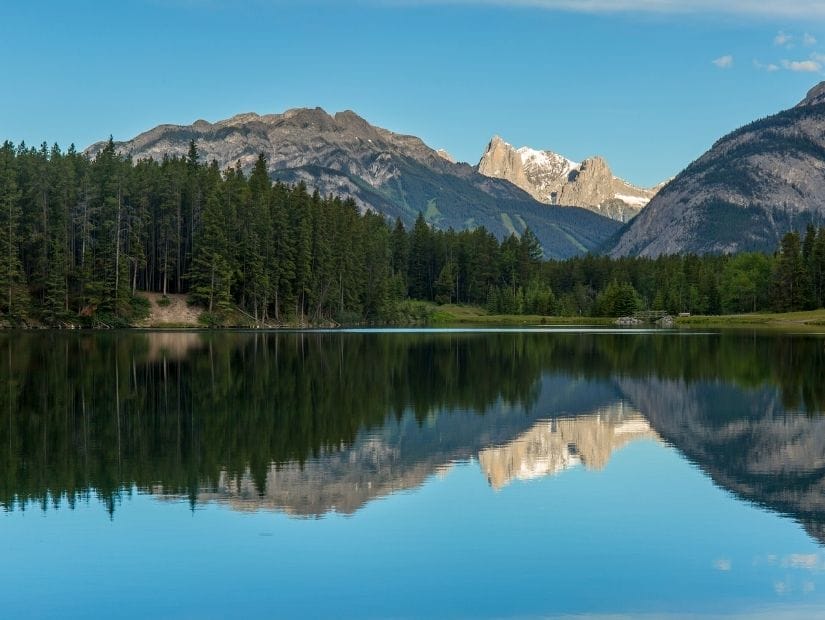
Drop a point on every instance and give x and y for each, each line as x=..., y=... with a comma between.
x=13, y=293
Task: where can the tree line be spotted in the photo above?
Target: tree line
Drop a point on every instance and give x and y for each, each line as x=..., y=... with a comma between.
x=790, y=279
x=80, y=238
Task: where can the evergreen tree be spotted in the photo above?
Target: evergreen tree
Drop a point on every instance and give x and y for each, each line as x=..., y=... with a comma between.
x=818, y=269
x=618, y=299
x=13, y=293
x=445, y=284
x=211, y=275
x=419, y=273
x=791, y=284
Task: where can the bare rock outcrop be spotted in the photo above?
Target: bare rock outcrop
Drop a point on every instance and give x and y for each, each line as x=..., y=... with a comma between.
x=554, y=179
x=552, y=446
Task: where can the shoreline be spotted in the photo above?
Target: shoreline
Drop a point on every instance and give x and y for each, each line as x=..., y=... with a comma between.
x=173, y=313
x=805, y=321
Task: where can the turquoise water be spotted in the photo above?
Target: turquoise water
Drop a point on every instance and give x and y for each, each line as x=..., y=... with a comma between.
x=496, y=474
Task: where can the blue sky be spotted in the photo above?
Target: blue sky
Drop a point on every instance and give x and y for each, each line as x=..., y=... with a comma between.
x=633, y=80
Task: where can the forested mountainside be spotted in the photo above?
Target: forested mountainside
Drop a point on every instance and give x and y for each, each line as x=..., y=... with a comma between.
x=753, y=186
x=393, y=174
x=80, y=239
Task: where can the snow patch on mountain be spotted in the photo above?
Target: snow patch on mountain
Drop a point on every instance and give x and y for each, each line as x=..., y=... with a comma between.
x=554, y=179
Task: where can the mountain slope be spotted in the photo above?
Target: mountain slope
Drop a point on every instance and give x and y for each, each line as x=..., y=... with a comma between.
x=393, y=174
x=750, y=188
x=553, y=179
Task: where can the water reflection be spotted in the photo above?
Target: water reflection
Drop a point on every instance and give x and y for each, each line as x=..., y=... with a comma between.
x=313, y=423
x=551, y=446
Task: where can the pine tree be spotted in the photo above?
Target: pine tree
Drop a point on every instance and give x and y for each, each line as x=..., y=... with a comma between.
x=211, y=274
x=419, y=273
x=818, y=272
x=301, y=235
x=791, y=285
x=13, y=293
x=282, y=263
x=445, y=284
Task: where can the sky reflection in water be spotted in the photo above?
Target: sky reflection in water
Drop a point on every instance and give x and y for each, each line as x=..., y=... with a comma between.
x=412, y=475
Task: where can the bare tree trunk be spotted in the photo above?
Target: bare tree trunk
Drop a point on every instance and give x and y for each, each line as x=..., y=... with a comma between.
x=212, y=288
x=117, y=248
x=165, y=264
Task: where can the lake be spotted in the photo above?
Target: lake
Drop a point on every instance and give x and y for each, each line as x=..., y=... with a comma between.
x=412, y=473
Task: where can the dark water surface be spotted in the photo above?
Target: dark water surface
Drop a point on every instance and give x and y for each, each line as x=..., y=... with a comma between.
x=412, y=474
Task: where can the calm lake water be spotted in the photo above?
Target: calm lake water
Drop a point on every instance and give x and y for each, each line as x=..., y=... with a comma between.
x=412, y=474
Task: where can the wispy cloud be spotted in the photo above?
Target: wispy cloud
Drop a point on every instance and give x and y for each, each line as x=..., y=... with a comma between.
x=723, y=564
x=808, y=39
x=802, y=66
x=769, y=67
x=782, y=38
x=724, y=62
x=795, y=9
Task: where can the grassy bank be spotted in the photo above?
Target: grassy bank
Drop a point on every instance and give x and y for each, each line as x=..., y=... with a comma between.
x=452, y=314
x=173, y=311
x=809, y=319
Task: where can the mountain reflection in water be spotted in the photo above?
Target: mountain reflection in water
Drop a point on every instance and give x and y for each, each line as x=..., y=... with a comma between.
x=309, y=423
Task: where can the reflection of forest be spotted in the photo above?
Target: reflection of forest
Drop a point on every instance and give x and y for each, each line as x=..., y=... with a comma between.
x=313, y=422
x=402, y=454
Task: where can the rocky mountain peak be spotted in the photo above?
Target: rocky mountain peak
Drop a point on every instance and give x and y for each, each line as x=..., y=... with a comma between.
x=240, y=119
x=554, y=179
x=815, y=96
x=502, y=161
x=593, y=169
x=496, y=141
x=348, y=118
x=445, y=155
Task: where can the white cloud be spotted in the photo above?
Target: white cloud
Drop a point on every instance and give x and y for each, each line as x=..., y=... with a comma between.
x=808, y=39
x=770, y=67
x=803, y=560
x=794, y=9
x=782, y=38
x=802, y=66
x=820, y=58
x=722, y=564
x=724, y=62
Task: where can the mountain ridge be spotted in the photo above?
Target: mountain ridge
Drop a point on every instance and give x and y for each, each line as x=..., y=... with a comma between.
x=394, y=174
x=750, y=188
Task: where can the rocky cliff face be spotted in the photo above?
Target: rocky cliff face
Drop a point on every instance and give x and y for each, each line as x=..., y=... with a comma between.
x=393, y=174
x=552, y=446
x=553, y=179
x=748, y=190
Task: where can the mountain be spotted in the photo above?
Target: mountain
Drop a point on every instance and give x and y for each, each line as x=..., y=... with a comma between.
x=403, y=453
x=393, y=174
x=748, y=190
x=553, y=179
